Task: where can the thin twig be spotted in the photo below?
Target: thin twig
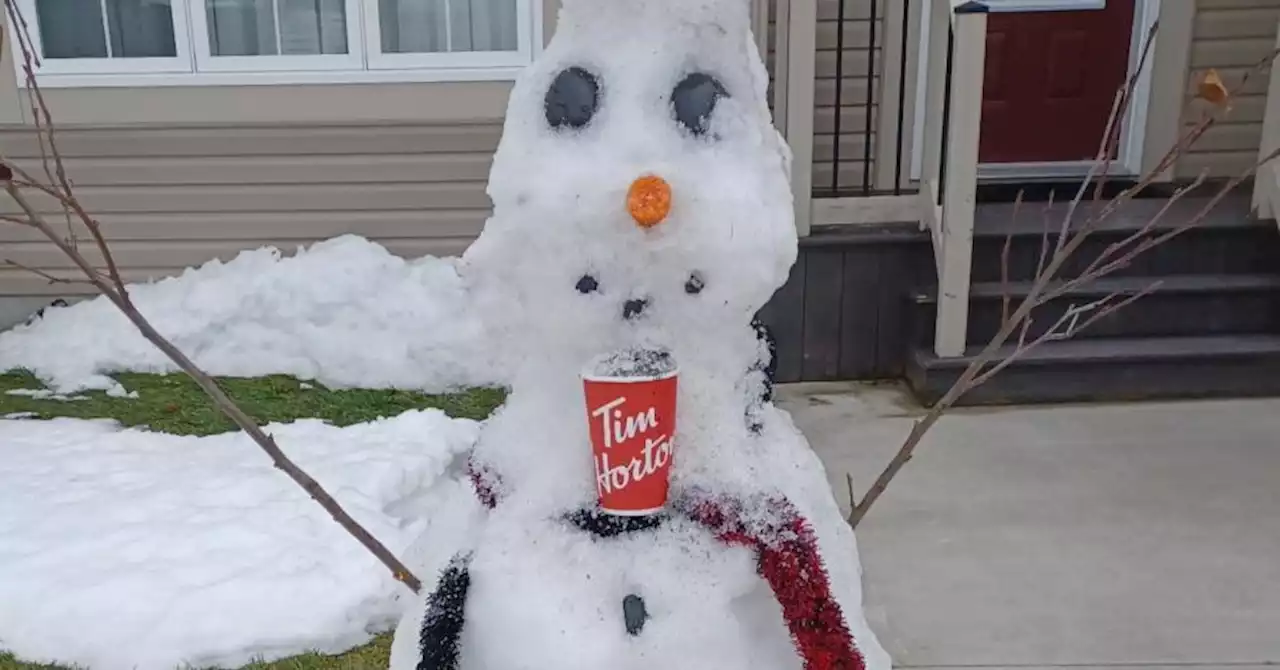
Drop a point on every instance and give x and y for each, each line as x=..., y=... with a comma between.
x=1068, y=326
x=1044, y=236
x=1090, y=272
x=1114, y=130
x=1004, y=260
x=15, y=220
x=45, y=275
x=40, y=114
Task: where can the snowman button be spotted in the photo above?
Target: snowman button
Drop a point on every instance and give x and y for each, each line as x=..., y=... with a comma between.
x=634, y=614
x=695, y=284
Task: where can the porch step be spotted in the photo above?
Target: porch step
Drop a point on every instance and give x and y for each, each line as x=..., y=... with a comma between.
x=1230, y=240
x=1109, y=369
x=1183, y=305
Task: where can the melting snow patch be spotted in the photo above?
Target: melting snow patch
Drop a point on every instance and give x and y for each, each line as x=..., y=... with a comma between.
x=44, y=394
x=131, y=549
x=344, y=312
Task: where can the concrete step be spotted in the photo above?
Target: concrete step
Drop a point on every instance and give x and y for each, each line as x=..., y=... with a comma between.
x=1109, y=369
x=1183, y=305
x=1229, y=241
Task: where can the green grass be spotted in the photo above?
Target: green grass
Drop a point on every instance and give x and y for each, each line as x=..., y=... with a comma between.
x=174, y=404
x=372, y=656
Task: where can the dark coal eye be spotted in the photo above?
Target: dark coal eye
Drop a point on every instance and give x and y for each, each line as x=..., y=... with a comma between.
x=587, y=284
x=573, y=99
x=694, y=99
x=695, y=284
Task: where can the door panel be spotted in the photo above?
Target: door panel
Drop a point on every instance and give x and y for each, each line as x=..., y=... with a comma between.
x=1051, y=79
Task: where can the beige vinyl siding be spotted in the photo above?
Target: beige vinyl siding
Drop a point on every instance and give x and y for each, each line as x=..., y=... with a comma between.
x=179, y=176
x=853, y=91
x=1231, y=36
x=174, y=197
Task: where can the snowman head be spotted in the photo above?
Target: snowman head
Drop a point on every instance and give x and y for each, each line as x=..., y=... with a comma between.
x=641, y=193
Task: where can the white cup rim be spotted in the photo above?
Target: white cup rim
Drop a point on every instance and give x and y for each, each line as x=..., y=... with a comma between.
x=630, y=379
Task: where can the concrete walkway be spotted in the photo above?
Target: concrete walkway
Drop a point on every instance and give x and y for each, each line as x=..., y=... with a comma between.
x=1140, y=535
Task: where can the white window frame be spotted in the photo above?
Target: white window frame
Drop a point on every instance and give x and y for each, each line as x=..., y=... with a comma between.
x=180, y=62
x=996, y=6
x=205, y=61
x=379, y=60
x=364, y=62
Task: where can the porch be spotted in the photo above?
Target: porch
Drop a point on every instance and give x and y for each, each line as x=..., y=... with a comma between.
x=909, y=202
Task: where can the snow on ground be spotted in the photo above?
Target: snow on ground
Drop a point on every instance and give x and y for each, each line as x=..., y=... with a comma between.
x=45, y=394
x=130, y=549
x=344, y=312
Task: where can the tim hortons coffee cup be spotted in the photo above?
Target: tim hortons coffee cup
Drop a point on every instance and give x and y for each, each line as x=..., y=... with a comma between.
x=631, y=415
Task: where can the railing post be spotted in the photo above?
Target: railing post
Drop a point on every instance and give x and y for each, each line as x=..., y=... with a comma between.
x=959, y=194
x=802, y=44
x=935, y=92
x=1266, y=183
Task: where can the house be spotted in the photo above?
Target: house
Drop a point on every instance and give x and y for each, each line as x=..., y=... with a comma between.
x=198, y=131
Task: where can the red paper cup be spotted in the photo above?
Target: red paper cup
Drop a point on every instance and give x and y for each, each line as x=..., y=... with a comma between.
x=631, y=416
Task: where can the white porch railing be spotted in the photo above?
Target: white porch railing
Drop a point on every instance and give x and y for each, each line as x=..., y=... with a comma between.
x=1266, y=183
x=944, y=198
x=949, y=176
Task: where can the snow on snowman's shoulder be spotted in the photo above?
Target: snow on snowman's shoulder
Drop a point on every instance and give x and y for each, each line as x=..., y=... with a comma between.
x=196, y=550
x=345, y=312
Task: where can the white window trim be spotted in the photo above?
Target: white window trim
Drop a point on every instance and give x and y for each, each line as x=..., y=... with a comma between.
x=365, y=65
x=206, y=62
x=525, y=23
x=996, y=6
x=55, y=67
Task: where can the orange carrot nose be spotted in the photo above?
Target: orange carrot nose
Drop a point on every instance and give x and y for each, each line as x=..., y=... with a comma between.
x=649, y=200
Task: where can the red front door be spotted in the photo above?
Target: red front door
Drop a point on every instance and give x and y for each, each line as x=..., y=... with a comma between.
x=1051, y=79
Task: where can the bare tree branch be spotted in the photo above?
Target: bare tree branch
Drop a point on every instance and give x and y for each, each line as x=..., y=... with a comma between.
x=113, y=288
x=1068, y=326
x=45, y=275
x=1045, y=285
x=40, y=113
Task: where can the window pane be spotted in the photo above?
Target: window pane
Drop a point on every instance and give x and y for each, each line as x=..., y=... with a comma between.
x=276, y=27
x=76, y=28
x=429, y=26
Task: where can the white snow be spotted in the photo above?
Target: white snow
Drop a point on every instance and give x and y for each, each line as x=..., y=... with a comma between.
x=118, y=391
x=344, y=312
x=128, y=549
x=44, y=394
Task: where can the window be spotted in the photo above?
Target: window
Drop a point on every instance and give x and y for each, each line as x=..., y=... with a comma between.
x=184, y=42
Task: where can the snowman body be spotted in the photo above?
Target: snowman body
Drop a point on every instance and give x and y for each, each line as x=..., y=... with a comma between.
x=555, y=593
x=751, y=566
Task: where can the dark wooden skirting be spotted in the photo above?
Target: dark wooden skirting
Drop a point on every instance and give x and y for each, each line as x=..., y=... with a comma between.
x=844, y=311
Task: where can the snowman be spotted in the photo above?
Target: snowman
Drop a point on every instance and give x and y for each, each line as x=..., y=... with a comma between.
x=641, y=203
